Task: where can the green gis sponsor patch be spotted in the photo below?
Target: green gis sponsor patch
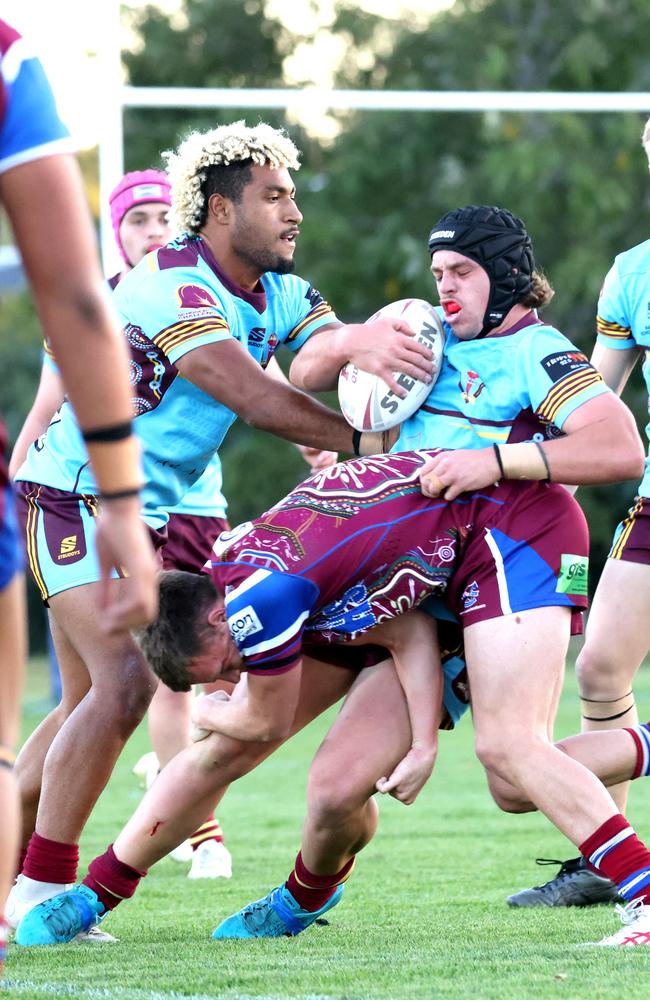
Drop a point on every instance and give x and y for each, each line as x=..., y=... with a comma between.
x=574, y=572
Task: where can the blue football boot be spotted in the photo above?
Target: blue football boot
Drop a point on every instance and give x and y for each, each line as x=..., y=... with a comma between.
x=61, y=918
x=276, y=915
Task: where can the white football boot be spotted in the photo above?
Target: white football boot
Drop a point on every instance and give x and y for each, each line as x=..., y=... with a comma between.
x=211, y=860
x=26, y=893
x=635, y=917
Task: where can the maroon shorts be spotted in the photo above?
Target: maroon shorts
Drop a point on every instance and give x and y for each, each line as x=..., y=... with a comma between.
x=533, y=553
x=632, y=536
x=190, y=538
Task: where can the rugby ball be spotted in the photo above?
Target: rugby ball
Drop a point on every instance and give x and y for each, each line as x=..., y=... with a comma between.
x=366, y=401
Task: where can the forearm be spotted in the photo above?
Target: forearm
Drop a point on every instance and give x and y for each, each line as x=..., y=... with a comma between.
x=241, y=719
x=317, y=365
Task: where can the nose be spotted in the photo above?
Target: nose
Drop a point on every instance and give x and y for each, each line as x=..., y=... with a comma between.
x=294, y=214
x=445, y=282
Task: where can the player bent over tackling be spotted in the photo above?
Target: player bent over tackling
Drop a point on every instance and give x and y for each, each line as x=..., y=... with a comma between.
x=344, y=557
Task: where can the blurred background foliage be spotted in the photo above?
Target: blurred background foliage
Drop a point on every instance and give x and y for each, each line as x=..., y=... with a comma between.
x=371, y=191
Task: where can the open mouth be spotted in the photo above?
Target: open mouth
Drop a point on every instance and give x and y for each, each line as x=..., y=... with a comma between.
x=450, y=308
x=290, y=237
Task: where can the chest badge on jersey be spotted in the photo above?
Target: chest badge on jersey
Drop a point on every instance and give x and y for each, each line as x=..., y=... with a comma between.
x=195, y=301
x=474, y=386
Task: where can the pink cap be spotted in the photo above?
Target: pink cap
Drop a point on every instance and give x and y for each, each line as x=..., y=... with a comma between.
x=137, y=188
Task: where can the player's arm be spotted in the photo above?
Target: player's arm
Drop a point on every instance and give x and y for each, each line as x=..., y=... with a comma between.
x=263, y=714
x=615, y=365
x=49, y=397
x=601, y=444
x=227, y=372
x=316, y=458
x=381, y=348
x=62, y=264
x=412, y=641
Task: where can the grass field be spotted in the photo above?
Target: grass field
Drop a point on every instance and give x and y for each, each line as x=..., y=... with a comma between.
x=424, y=915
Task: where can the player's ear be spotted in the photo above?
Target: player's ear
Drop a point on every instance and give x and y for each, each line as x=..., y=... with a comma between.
x=219, y=208
x=217, y=614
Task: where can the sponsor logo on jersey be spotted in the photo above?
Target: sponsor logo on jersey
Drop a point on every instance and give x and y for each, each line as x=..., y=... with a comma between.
x=564, y=363
x=574, y=575
x=68, y=547
x=197, y=299
x=244, y=623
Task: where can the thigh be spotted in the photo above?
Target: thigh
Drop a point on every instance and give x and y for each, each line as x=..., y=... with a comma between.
x=618, y=628
x=370, y=734
x=111, y=661
x=515, y=665
x=13, y=651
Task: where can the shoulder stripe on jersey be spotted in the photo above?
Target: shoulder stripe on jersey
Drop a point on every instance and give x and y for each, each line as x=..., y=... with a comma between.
x=246, y=584
x=613, y=330
x=565, y=390
x=63, y=145
x=279, y=638
x=179, y=334
x=324, y=309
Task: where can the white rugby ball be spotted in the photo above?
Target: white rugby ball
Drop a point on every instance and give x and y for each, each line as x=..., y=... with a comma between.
x=366, y=401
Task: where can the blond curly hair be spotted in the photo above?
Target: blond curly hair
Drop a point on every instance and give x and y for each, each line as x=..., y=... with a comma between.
x=188, y=166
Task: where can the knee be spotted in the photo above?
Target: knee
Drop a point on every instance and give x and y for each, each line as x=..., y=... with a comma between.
x=506, y=796
x=331, y=797
x=498, y=758
x=593, y=671
x=123, y=700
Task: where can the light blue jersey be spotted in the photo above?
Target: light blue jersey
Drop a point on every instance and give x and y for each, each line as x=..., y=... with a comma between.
x=175, y=300
x=520, y=385
x=624, y=317
x=205, y=497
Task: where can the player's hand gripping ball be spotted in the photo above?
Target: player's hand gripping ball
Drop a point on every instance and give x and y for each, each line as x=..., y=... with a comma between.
x=365, y=400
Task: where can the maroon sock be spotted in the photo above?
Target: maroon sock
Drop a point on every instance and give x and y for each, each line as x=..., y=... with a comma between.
x=618, y=853
x=111, y=879
x=312, y=891
x=50, y=861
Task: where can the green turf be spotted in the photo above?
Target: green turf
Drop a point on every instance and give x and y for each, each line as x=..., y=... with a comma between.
x=423, y=916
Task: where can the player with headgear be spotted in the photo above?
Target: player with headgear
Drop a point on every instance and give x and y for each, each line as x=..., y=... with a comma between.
x=617, y=637
x=515, y=383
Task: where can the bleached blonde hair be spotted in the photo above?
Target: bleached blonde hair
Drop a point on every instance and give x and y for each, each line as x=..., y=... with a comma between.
x=188, y=166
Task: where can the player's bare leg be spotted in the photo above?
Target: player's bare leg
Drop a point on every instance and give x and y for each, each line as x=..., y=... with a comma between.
x=31, y=759
x=196, y=779
x=342, y=815
x=173, y=806
x=514, y=664
x=82, y=754
x=13, y=649
x=617, y=640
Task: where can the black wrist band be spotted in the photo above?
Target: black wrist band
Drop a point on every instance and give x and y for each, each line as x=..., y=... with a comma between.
x=545, y=461
x=119, y=494
x=116, y=432
x=502, y=471
x=356, y=443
